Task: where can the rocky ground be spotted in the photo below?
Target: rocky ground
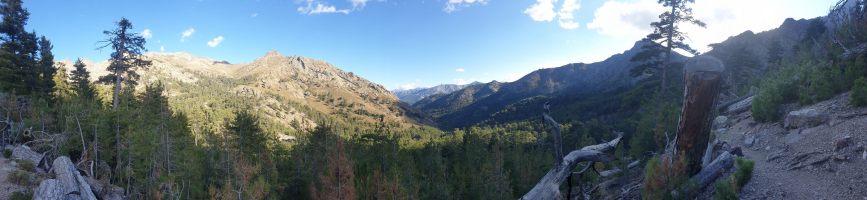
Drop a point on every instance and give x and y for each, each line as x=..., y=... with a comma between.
x=8, y=166
x=817, y=151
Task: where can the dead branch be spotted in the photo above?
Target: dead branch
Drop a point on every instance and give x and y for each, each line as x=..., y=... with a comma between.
x=549, y=186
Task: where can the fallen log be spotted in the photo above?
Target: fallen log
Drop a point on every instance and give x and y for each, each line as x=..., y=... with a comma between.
x=549, y=186
x=706, y=176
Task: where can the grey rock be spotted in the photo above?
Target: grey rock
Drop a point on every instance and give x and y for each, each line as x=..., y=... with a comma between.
x=71, y=182
x=49, y=189
x=805, y=118
x=749, y=140
x=105, y=191
x=23, y=152
x=720, y=121
x=842, y=143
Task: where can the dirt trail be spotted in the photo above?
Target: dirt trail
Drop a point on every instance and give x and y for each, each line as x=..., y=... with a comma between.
x=803, y=163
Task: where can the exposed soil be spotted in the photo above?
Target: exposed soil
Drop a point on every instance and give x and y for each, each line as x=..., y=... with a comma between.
x=803, y=163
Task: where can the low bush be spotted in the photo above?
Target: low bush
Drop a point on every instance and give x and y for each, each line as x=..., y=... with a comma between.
x=26, y=165
x=20, y=177
x=661, y=176
x=727, y=189
x=21, y=195
x=858, y=97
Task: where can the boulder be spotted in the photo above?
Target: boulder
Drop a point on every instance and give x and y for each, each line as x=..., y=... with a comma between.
x=23, y=152
x=105, y=191
x=72, y=183
x=805, y=118
x=842, y=143
x=49, y=189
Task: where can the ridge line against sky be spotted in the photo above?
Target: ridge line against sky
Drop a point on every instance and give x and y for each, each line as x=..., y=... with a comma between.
x=401, y=44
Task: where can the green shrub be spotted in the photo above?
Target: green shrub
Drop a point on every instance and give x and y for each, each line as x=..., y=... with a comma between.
x=7, y=153
x=661, y=177
x=724, y=191
x=821, y=82
x=26, y=165
x=21, y=195
x=859, y=92
x=727, y=189
x=744, y=172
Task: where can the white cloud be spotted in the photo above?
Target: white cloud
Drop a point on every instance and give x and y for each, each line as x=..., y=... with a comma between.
x=216, y=41
x=459, y=70
x=566, y=16
x=254, y=15
x=461, y=81
x=622, y=19
x=146, y=33
x=454, y=5
x=724, y=18
x=358, y=3
x=408, y=86
x=542, y=10
x=187, y=33
x=314, y=7
x=162, y=48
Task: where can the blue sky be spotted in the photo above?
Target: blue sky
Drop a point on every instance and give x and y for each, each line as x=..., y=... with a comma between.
x=400, y=43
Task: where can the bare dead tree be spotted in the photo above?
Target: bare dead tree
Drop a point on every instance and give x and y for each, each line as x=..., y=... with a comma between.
x=557, y=139
x=549, y=186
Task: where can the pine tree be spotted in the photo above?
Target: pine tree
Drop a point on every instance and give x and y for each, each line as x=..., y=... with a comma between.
x=338, y=180
x=20, y=48
x=128, y=47
x=247, y=132
x=45, y=67
x=62, y=88
x=81, y=81
x=667, y=33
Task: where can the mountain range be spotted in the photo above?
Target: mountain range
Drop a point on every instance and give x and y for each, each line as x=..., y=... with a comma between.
x=413, y=95
x=288, y=91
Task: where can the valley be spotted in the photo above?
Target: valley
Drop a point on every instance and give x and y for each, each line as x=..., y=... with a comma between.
x=771, y=114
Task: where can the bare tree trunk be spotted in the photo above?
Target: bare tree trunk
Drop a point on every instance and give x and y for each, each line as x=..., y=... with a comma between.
x=557, y=139
x=703, y=80
x=669, y=46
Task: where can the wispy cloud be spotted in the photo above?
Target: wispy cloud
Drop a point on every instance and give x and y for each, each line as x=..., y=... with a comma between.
x=146, y=33
x=454, y=5
x=459, y=70
x=314, y=7
x=187, y=33
x=358, y=3
x=162, y=48
x=215, y=42
x=566, y=16
x=254, y=15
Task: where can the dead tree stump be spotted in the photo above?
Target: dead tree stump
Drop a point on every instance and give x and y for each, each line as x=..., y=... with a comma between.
x=703, y=78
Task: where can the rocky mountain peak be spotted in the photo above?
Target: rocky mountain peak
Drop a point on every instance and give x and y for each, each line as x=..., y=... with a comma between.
x=273, y=54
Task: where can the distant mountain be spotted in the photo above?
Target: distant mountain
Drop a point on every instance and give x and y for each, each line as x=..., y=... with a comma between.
x=290, y=91
x=475, y=104
x=746, y=55
x=411, y=96
x=579, y=85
